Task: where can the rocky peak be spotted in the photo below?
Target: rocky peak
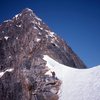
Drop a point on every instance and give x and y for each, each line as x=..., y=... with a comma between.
x=23, y=42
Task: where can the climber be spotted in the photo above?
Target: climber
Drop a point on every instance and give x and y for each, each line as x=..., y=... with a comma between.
x=53, y=74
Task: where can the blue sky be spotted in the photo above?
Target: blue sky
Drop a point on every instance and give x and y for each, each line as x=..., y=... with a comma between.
x=76, y=21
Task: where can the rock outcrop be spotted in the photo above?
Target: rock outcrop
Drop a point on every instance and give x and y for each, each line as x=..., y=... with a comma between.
x=23, y=42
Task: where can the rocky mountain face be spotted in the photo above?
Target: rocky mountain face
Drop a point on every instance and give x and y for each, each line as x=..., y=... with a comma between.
x=23, y=42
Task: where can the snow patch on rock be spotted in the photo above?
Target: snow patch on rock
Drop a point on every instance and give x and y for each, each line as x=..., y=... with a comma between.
x=37, y=39
x=7, y=20
x=6, y=37
x=19, y=25
x=8, y=70
x=35, y=27
x=38, y=18
x=50, y=33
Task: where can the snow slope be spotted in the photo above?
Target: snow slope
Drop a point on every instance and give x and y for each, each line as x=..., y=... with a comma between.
x=77, y=84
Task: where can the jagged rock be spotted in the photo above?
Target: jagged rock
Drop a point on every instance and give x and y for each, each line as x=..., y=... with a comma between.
x=23, y=42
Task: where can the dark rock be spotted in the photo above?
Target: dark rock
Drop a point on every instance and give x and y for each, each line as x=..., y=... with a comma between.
x=23, y=42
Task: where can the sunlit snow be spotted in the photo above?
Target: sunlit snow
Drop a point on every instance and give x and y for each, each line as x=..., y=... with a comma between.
x=35, y=27
x=6, y=37
x=77, y=84
x=29, y=9
x=38, y=18
x=16, y=16
x=8, y=70
x=7, y=20
x=41, y=28
x=18, y=25
x=50, y=33
x=37, y=39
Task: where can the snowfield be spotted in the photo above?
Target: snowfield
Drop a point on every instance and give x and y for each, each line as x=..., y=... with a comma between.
x=77, y=84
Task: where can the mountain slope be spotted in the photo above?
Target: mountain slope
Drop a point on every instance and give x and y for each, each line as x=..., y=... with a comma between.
x=23, y=42
x=77, y=84
x=28, y=32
